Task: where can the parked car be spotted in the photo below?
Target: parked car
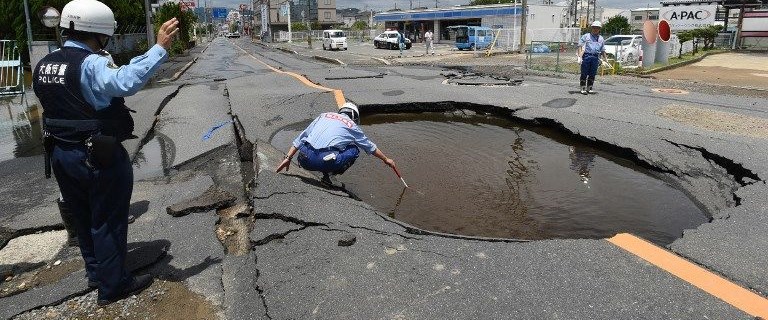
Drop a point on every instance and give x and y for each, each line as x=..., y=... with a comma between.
x=624, y=48
x=334, y=39
x=233, y=35
x=473, y=37
x=388, y=40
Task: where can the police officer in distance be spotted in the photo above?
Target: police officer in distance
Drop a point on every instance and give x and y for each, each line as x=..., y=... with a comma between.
x=330, y=144
x=591, y=47
x=85, y=118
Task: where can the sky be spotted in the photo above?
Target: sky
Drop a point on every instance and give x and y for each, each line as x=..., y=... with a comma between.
x=390, y=4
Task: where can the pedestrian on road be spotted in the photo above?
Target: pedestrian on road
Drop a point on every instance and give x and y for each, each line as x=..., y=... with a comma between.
x=85, y=119
x=428, y=39
x=591, y=48
x=401, y=42
x=330, y=144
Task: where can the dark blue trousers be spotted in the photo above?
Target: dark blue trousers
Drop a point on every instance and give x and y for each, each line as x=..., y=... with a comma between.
x=99, y=199
x=312, y=159
x=589, y=66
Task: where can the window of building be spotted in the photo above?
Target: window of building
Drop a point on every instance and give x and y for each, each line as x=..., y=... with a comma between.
x=638, y=18
x=327, y=15
x=327, y=2
x=653, y=17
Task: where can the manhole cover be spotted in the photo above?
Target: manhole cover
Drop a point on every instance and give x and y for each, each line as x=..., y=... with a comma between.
x=670, y=91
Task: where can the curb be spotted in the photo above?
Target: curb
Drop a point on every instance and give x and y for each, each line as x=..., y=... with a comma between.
x=384, y=61
x=178, y=74
x=286, y=50
x=329, y=60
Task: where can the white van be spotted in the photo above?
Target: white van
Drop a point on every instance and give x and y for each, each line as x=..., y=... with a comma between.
x=334, y=39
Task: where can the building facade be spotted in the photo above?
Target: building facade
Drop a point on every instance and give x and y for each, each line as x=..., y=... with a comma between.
x=272, y=19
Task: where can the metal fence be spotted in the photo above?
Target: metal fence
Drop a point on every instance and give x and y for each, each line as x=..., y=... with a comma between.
x=11, y=69
x=552, y=56
x=507, y=39
x=566, y=35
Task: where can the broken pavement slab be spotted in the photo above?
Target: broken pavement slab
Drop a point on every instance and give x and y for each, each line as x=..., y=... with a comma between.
x=197, y=110
x=212, y=199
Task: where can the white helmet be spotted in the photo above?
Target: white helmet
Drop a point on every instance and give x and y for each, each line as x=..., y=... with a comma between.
x=597, y=24
x=350, y=109
x=88, y=16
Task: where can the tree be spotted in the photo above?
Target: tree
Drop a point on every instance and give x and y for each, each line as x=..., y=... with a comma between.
x=684, y=36
x=299, y=26
x=617, y=25
x=316, y=26
x=186, y=23
x=13, y=22
x=360, y=25
x=482, y=2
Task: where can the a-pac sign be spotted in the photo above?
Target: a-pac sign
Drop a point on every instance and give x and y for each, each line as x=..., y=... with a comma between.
x=688, y=17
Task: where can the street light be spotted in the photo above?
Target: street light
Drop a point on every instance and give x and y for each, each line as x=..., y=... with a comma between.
x=50, y=17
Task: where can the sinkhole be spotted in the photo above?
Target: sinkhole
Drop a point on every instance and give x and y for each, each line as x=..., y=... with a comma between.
x=483, y=175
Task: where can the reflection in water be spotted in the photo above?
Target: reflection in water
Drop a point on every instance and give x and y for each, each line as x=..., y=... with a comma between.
x=482, y=175
x=581, y=161
x=20, y=130
x=155, y=157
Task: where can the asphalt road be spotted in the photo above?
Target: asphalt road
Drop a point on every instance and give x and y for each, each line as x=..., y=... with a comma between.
x=297, y=269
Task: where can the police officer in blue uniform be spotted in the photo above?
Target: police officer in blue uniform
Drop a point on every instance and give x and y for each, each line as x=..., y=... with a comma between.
x=331, y=143
x=591, y=47
x=85, y=119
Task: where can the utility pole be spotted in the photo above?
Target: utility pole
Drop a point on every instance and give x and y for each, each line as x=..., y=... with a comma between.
x=290, y=35
x=29, y=30
x=150, y=29
x=523, y=25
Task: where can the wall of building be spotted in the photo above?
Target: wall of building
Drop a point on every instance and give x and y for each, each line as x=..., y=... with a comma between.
x=544, y=17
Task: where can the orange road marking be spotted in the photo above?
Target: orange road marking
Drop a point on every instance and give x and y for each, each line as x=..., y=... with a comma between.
x=703, y=279
x=337, y=94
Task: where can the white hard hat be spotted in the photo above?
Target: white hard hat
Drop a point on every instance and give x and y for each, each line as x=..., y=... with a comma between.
x=597, y=24
x=88, y=16
x=350, y=109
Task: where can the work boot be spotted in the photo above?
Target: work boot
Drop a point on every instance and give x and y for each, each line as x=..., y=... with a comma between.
x=68, y=219
x=138, y=284
x=583, y=90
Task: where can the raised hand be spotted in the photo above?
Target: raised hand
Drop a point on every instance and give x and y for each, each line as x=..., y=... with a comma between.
x=166, y=33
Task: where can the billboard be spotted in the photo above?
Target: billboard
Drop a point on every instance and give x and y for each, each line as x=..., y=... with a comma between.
x=688, y=17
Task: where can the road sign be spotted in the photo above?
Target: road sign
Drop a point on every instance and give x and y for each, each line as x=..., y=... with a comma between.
x=219, y=13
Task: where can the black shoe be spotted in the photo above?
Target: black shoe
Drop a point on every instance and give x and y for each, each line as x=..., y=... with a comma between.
x=138, y=284
x=326, y=180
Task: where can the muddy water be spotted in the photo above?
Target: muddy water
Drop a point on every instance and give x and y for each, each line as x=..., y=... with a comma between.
x=485, y=176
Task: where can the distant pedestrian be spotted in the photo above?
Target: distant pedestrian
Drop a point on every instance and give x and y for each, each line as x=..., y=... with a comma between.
x=401, y=42
x=591, y=47
x=429, y=40
x=331, y=144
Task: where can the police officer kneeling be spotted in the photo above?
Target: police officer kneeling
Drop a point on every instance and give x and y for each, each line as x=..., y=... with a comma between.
x=85, y=119
x=330, y=144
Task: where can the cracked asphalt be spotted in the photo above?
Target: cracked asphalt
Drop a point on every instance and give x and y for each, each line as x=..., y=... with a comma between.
x=297, y=261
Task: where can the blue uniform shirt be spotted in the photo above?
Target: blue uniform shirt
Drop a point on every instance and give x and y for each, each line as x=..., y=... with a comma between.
x=334, y=130
x=592, y=45
x=102, y=80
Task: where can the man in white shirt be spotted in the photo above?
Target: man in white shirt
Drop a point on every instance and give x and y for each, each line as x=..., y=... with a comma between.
x=428, y=40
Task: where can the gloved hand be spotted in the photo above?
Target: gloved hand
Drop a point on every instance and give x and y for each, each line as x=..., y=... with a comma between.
x=580, y=60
